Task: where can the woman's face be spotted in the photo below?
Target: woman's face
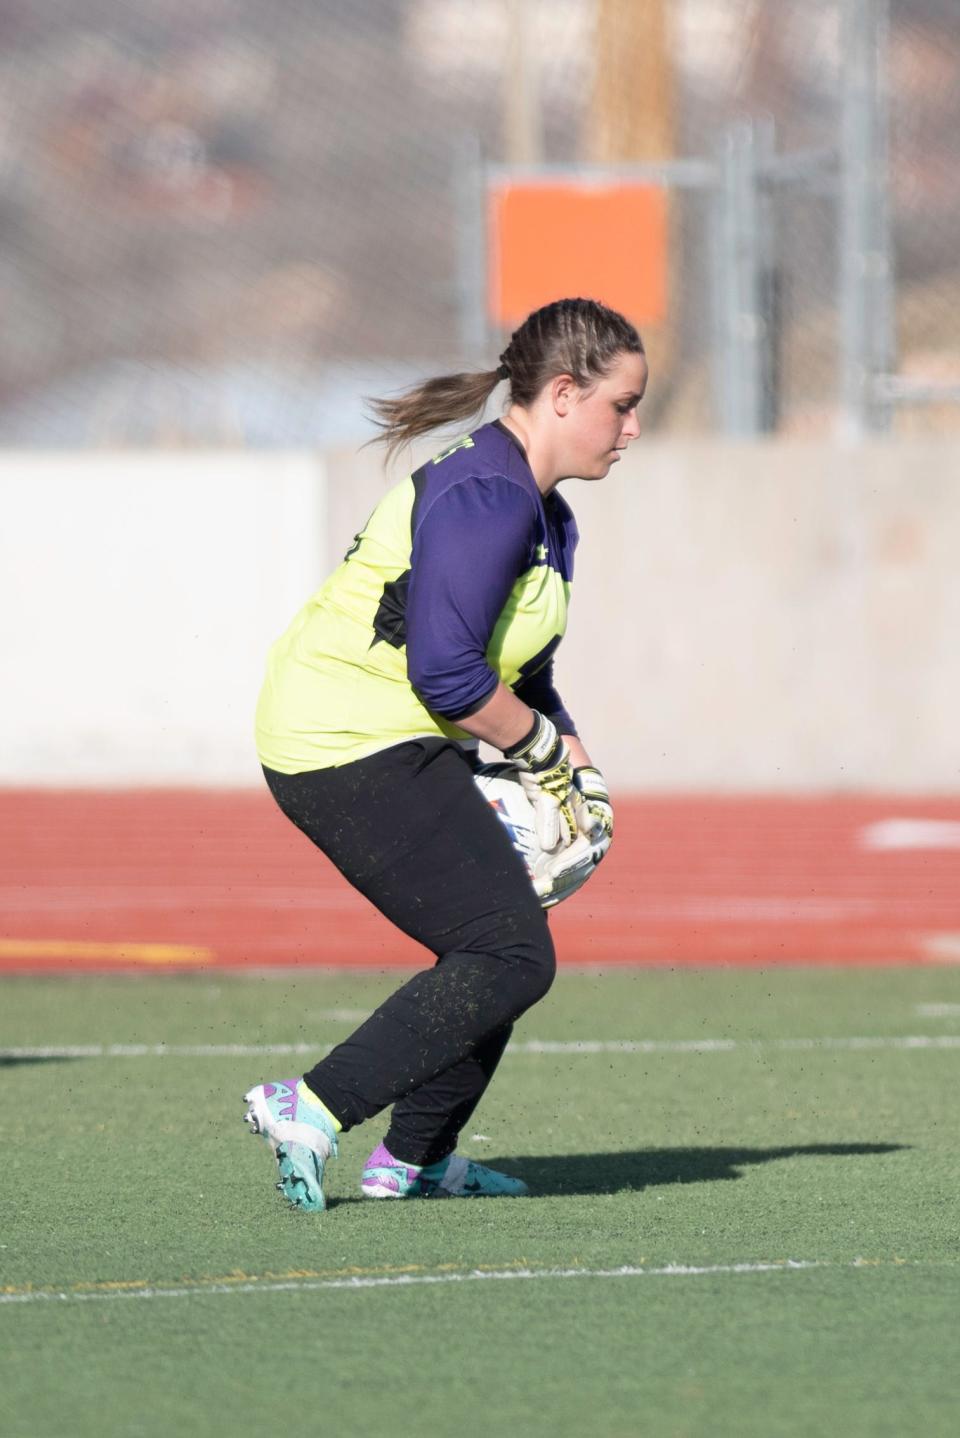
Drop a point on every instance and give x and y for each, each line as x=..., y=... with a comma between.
x=598, y=423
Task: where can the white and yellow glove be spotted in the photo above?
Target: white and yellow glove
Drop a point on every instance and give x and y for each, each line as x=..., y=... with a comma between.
x=565, y=871
x=546, y=773
x=595, y=815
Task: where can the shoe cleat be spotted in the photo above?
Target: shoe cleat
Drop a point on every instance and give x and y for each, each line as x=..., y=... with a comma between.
x=300, y=1136
x=452, y=1177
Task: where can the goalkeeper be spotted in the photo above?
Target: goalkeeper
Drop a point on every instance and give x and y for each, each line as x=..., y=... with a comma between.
x=438, y=631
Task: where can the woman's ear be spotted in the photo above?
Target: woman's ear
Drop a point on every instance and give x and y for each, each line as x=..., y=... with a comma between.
x=563, y=389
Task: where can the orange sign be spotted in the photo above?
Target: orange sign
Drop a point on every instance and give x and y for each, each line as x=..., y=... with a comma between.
x=604, y=242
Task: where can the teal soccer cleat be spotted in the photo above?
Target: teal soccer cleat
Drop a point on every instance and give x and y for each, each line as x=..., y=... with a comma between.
x=300, y=1136
x=454, y=1177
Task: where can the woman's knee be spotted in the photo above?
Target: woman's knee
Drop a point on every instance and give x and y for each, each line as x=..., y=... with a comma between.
x=534, y=963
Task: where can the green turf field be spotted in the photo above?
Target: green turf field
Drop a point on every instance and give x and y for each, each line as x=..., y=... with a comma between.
x=153, y=1282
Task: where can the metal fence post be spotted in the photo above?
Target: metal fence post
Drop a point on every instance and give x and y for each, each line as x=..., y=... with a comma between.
x=865, y=269
x=470, y=195
x=742, y=282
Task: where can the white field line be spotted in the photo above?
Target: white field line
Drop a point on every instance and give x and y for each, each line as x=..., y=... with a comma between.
x=531, y=1047
x=714, y=1046
x=937, y=1011
x=307, y=1285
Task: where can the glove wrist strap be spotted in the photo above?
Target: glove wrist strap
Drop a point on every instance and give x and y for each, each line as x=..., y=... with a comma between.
x=541, y=748
x=591, y=783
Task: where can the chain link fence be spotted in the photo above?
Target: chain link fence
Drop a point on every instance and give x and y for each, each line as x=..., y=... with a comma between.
x=225, y=222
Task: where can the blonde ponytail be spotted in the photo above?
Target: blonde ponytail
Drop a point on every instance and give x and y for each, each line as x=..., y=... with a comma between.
x=434, y=404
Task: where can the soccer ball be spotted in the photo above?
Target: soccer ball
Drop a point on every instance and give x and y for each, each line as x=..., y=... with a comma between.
x=500, y=785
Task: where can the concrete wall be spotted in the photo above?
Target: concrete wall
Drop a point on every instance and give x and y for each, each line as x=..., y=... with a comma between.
x=138, y=595
x=767, y=616
x=770, y=617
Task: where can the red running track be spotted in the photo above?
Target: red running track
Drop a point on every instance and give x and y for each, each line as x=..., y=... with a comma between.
x=94, y=880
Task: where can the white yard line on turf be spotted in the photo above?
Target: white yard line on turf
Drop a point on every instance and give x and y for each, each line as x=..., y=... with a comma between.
x=517, y=1050
x=419, y=1280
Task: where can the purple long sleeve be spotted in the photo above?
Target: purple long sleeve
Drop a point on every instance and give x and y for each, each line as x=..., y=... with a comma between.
x=469, y=548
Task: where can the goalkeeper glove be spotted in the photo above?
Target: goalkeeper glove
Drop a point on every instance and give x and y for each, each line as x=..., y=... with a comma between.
x=546, y=773
x=563, y=873
x=595, y=815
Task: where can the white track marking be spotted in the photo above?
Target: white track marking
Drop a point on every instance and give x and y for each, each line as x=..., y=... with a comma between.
x=528, y=1048
x=910, y=834
x=942, y=948
x=97, y=897
x=307, y=1285
x=937, y=1011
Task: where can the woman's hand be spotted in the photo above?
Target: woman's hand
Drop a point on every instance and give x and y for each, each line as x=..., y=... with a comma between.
x=595, y=815
x=546, y=773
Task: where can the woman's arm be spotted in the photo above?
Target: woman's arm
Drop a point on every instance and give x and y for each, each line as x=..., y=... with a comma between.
x=504, y=720
x=578, y=755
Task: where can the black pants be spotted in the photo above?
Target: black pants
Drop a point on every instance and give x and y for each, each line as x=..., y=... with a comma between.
x=410, y=830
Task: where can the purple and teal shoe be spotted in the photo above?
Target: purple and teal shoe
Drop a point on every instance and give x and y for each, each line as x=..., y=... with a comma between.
x=300, y=1135
x=453, y=1177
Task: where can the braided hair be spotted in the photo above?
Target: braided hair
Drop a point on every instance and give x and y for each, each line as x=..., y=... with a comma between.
x=578, y=337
